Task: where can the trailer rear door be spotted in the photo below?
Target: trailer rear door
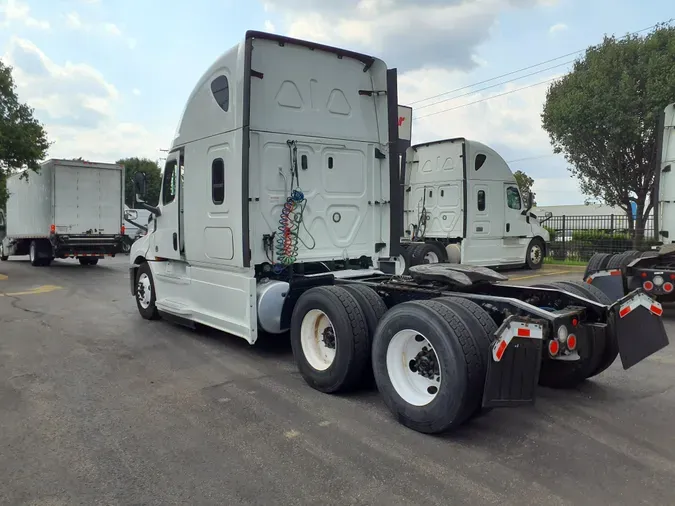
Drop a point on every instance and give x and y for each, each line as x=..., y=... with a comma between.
x=88, y=199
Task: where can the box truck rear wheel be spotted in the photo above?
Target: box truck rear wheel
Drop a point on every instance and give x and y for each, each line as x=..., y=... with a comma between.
x=427, y=367
x=329, y=338
x=3, y=257
x=34, y=254
x=145, y=293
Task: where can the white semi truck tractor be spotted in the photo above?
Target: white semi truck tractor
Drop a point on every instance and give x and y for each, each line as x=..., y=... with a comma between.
x=279, y=218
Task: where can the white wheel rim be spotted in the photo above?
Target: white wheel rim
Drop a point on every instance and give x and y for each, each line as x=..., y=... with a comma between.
x=407, y=350
x=144, y=291
x=318, y=340
x=399, y=267
x=535, y=254
x=431, y=258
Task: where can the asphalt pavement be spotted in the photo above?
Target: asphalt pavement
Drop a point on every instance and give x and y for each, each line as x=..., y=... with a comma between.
x=98, y=406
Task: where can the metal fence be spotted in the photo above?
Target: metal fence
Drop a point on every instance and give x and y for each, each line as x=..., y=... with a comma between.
x=579, y=237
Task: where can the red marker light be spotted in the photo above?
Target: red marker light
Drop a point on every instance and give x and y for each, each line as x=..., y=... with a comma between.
x=553, y=347
x=575, y=322
x=122, y=229
x=571, y=342
x=644, y=274
x=523, y=332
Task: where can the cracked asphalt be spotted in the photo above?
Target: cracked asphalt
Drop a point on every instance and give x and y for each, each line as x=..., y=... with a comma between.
x=98, y=406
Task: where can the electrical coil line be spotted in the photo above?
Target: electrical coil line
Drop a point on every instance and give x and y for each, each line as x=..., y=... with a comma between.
x=291, y=218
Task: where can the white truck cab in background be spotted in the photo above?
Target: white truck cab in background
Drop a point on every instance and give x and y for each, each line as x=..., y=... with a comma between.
x=462, y=204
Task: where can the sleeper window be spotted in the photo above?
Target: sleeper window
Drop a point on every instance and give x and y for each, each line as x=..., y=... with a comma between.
x=218, y=181
x=481, y=200
x=480, y=160
x=169, y=182
x=513, y=198
x=220, y=87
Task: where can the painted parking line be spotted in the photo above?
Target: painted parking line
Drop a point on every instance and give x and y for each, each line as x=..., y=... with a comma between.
x=33, y=291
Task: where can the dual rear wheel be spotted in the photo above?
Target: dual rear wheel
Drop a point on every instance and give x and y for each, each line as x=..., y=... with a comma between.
x=428, y=358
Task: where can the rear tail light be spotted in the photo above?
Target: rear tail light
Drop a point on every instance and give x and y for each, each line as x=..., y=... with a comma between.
x=122, y=229
x=648, y=286
x=553, y=347
x=52, y=228
x=571, y=342
x=667, y=287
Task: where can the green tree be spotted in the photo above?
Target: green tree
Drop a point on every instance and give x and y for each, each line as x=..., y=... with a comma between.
x=23, y=140
x=603, y=117
x=525, y=183
x=151, y=169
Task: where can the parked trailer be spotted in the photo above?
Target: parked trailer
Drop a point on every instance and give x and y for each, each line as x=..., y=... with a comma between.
x=462, y=204
x=279, y=216
x=652, y=270
x=70, y=208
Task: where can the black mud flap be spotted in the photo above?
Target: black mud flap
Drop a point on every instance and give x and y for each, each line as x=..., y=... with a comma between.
x=610, y=282
x=639, y=328
x=513, y=380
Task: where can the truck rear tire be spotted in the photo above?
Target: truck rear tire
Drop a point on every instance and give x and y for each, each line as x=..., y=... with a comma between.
x=3, y=257
x=596, y=263
x=564, y=375
x=33, y=254
x=425, y=254
x=440, y=251
x=145, y=293
x=482, y=328
x=329, y=338
x=427, y=367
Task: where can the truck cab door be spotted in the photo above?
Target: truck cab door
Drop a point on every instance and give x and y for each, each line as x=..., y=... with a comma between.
x=167, y=234
x=517, y=231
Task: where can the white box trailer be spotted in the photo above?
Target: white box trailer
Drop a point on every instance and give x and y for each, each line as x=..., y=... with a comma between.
x=278, y=216
x=69, y=208
x=462, y=204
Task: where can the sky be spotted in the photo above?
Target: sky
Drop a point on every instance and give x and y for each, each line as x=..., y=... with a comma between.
x=109, y=78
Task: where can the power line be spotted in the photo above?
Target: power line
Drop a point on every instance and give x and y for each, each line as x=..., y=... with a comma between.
x=495, y=85
x=522, y=70
x=485, y=99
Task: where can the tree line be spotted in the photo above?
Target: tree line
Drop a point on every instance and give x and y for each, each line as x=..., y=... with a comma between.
x=602, y=117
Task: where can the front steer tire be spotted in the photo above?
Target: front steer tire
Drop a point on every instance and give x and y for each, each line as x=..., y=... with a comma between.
x=145, y=280
x=461, y=370
x=352, y=344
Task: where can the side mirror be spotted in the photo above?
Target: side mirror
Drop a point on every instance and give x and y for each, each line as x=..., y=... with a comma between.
x=140, y=186
x=548, y=215
x=131, y=214
x=530, y=200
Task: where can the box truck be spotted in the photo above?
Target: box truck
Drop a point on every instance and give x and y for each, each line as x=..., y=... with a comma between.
x=279, y=215
x=462, y=204
x=652, y=270
x=68, y=209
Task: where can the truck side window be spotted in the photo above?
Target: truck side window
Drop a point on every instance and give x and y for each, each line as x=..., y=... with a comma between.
x=220, y=87
x=513, y=198
x=169, y=182
x=218, y=181
x=481, y=200
x=480, y=160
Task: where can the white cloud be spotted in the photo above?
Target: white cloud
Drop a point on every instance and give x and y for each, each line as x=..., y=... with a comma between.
x=269, y=26
x=447, y=33
x=557, y=28
x=73, y=21
x=78, y=107
x=136, y=92
x=112, y=29
x=16, y=12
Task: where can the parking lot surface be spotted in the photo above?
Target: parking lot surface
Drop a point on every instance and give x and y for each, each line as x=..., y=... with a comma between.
x=98, y=406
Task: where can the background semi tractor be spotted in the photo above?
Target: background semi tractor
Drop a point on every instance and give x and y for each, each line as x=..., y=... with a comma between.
x=279, y=217
x=462, y=204
x=68, y=209
x=652, y=270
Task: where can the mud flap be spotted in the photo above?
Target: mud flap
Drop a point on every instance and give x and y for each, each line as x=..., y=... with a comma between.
x=610, y=282
x=639, y=327
x=513, y=367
